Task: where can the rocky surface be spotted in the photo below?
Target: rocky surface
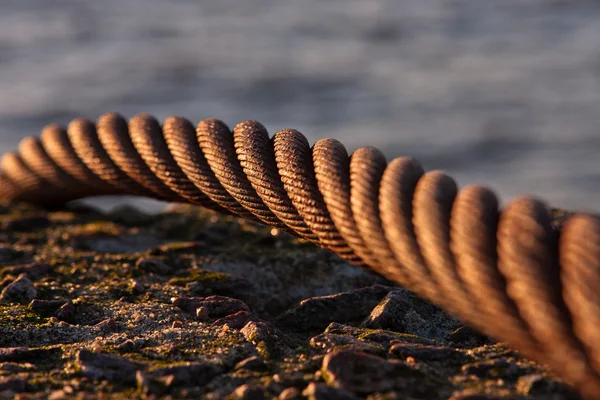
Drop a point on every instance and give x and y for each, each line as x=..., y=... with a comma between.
x=189, y=304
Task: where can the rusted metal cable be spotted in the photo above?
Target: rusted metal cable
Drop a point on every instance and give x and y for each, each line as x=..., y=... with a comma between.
x=506, y=272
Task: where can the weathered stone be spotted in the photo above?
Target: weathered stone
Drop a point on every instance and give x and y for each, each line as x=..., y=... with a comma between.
x=401, y=311
x=127, y=346
x=20, y=354
x=381, y=337
x=66, y=312
x=107, y=325
x=423, y=352
x=8, y=253
x=196, y=373
x=537, y=384
x=254, y=363
x=329, y=342
x=176, y=248
x=149, y=386
x=249, y=392
x=224, y=285
x=20, y=290
x=237, y=320
x=216, y=306
x=15, y=367
x=106, y=243
x=25, y=223
x=34, y=270
x=363, y=373
x=153, y=265
x=112, y=368
x=290, y=393
x=320, y=391
x=137, y=287
x=317, y=312
x=202, y=313
x=60, y=394
x=290, y=378
x=269, y=340
x=468, y=336
x=46, y=307
x=11, y=384
x=472, y=396
x=493, y=368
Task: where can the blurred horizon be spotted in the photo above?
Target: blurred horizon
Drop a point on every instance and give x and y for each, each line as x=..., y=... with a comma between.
x=503, y=93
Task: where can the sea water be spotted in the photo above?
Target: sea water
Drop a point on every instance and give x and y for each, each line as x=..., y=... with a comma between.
x=504, y=93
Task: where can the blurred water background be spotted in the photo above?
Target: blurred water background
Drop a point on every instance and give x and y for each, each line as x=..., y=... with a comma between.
x=500, y=92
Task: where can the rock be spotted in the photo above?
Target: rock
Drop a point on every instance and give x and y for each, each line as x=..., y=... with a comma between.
x=290, y=393
x=112, y=368
x=34, y=270
x=107, y=325
x=468, y=337
x=234, y=286
x=177, y=247
x=16, y=367
x=329, y=342
x=270, y=341
x=66, y=312
x=425, y=353
x=202, y=313
x=106, y=243
x=137, y=287
x=153, y=265
x=290, y=378
x=249, y=392
x=363, y=373
x=401, y=311
x=7, y=254
x=46, y=307
x=236, y=321
x=539, y=385
x=216, y=306
x=19, y=291
x=25, y=223
x=15, y=385
x=498, y=368
x=317, y=312
x=320, y=391
x=127, y=346
x=383, y=338
x=148, y=386
x=197, y=373
x=254, y=363
x=472, y=396
x=177, y=324
x=20, y=354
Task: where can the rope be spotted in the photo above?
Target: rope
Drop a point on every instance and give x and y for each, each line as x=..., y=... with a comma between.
x=508, y=272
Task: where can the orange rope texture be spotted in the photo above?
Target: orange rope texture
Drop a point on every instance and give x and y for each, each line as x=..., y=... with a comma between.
x=507, y=272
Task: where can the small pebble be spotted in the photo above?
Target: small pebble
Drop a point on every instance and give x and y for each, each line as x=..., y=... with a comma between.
x=202, y=313
x=177, y=324
x=249, y=392
x=290, y=393
x=21, y=290
x=216, y=306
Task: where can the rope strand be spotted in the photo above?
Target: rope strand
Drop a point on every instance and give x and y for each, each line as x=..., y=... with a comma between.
x=507, y=272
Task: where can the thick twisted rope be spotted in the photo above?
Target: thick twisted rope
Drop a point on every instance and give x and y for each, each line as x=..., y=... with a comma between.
x=508, y=273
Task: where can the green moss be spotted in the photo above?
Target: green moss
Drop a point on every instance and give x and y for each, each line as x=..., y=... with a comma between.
x=199, y=275
x=19, y=316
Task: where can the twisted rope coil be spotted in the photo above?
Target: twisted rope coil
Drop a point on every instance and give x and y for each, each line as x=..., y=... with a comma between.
x=506, y=272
